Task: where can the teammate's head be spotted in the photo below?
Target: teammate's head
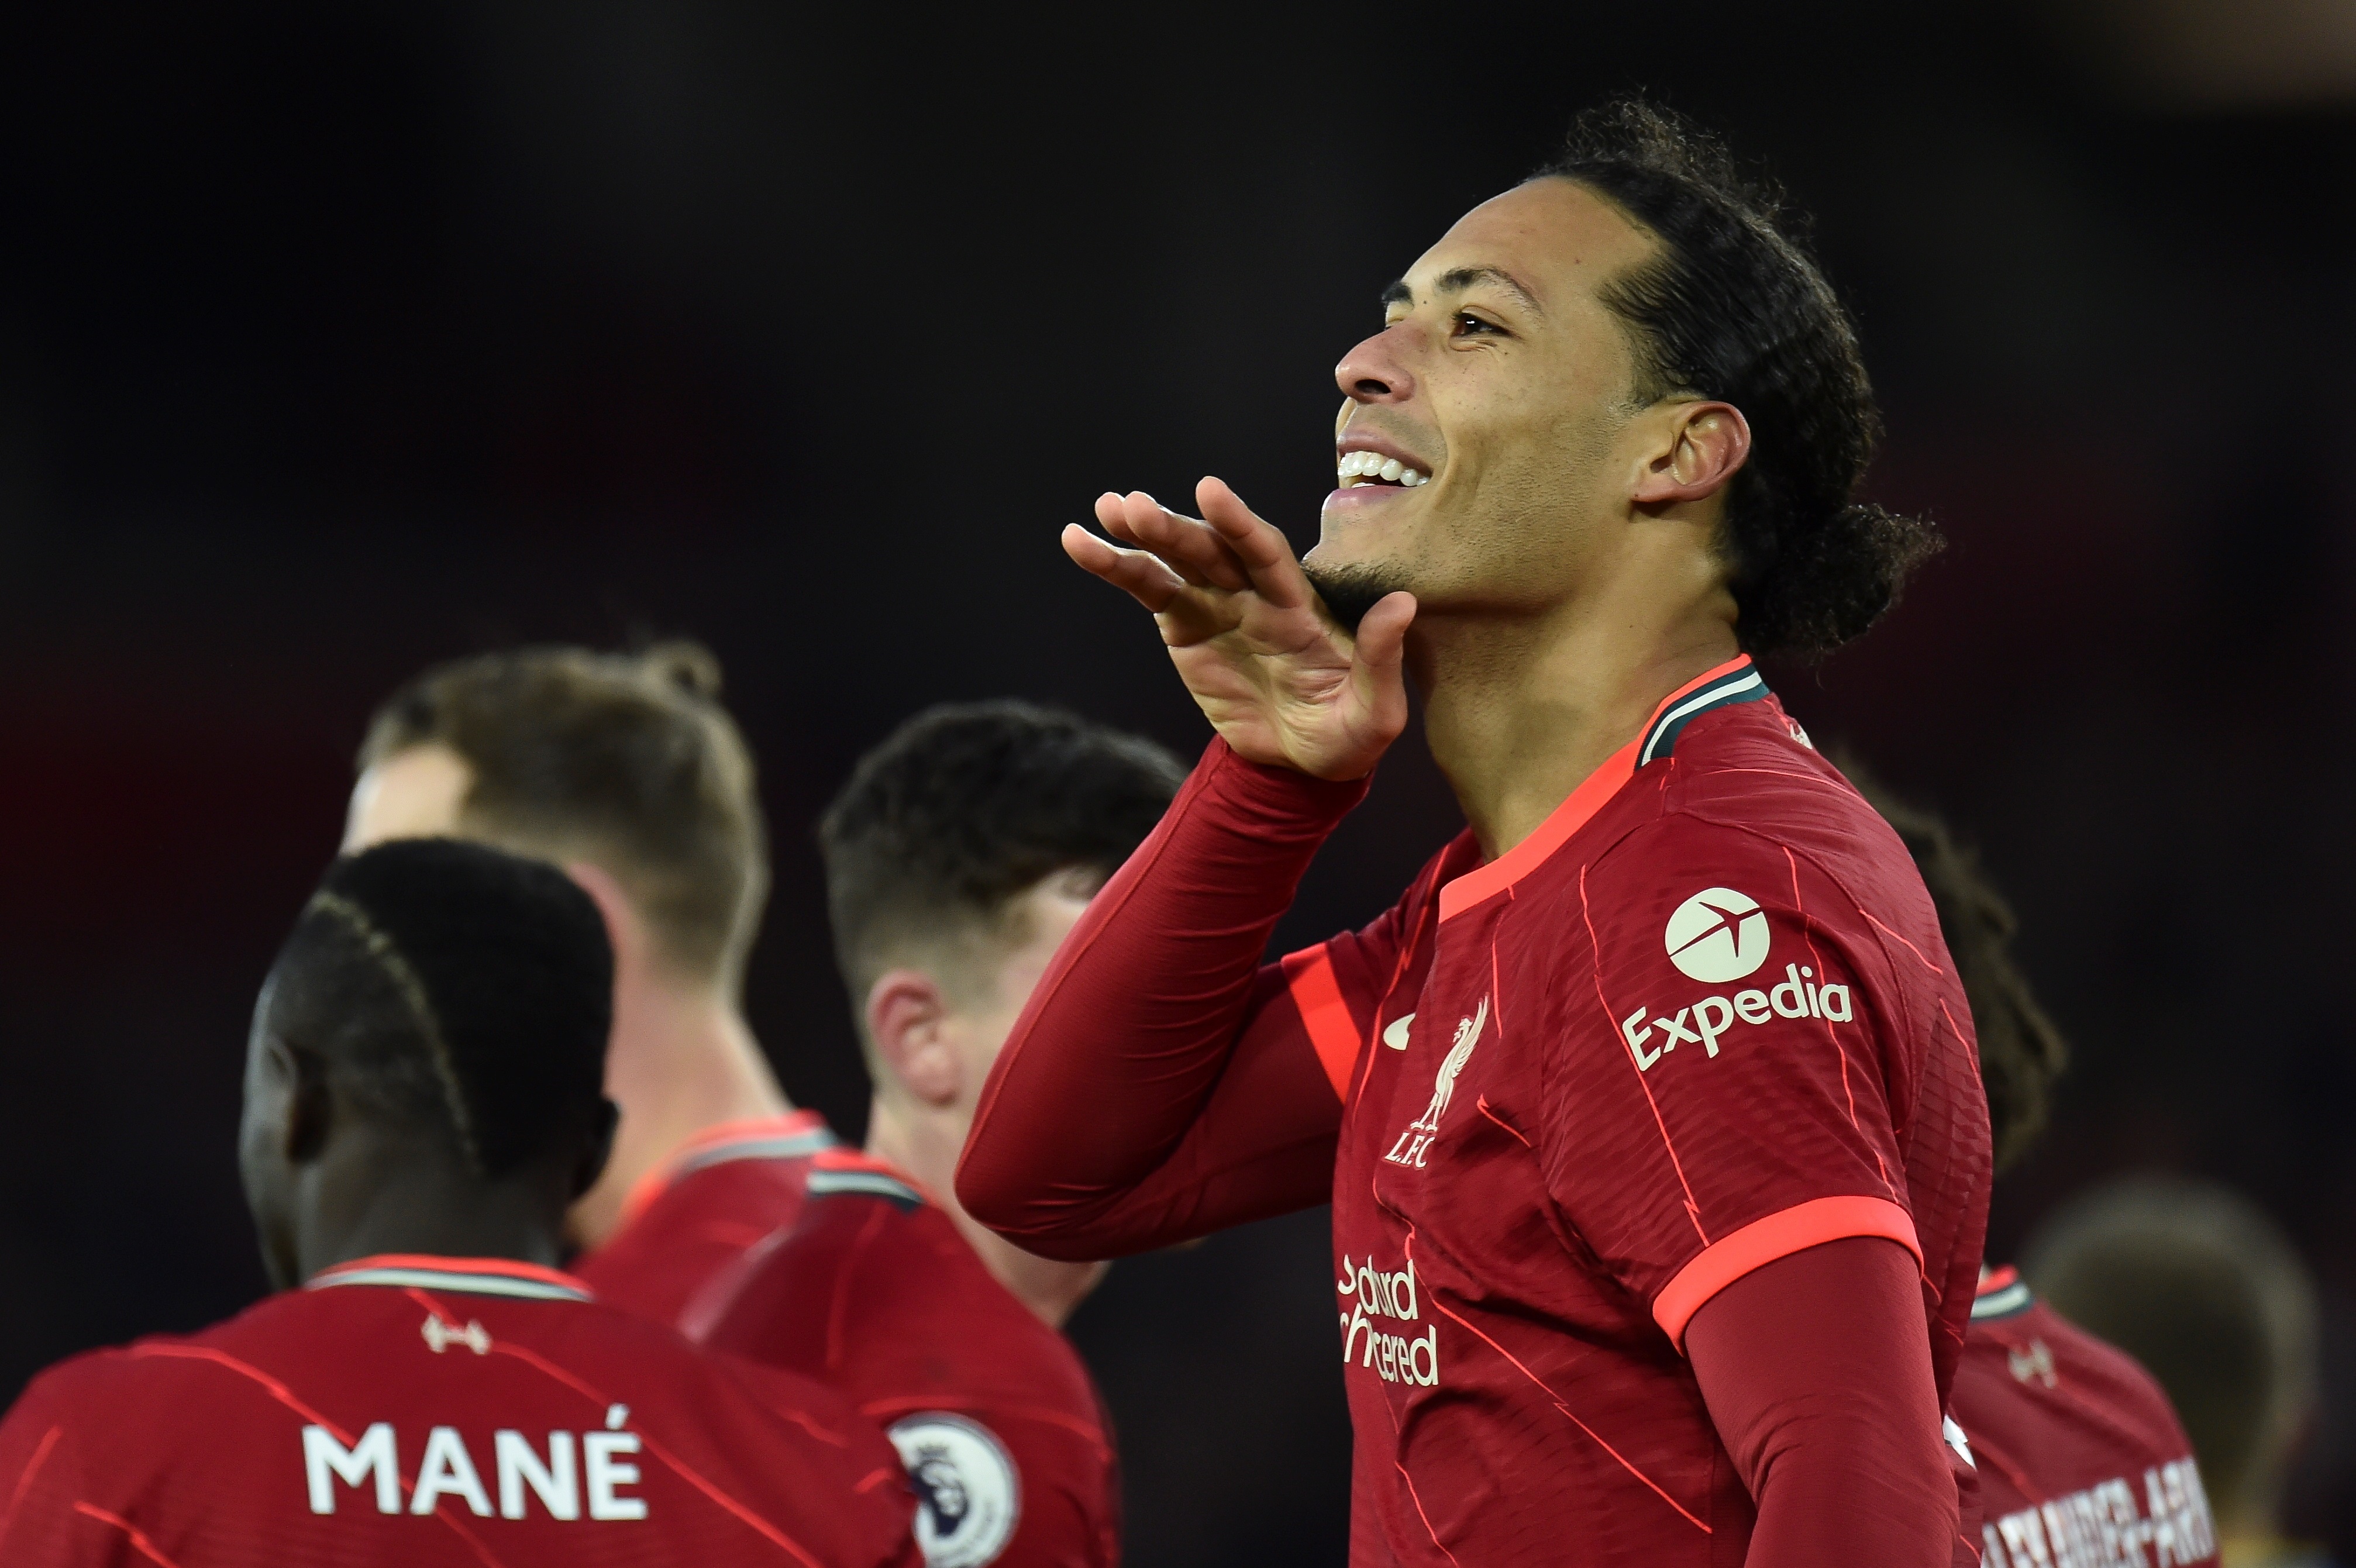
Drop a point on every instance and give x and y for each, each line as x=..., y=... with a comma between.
x=626, y=762
x=2021, y=1051
x=2199, y=1286
x=1631, y=352
x=956, y=856
x=436, y=1024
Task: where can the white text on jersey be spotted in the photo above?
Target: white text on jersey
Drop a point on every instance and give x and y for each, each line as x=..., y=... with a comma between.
x=448, y=1470
x=2099, y=1526
x=1396, y=1357
x=1702, y=1023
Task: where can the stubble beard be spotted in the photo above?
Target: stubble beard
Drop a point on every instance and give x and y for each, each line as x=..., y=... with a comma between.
x=1350, y=592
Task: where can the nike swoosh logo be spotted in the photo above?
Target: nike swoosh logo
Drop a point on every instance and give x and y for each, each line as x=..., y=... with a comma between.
x=1395, y=1036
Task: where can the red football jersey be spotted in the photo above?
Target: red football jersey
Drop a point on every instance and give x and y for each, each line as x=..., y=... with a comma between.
x=876, y=1293
x=2081, y=1457
x=1701, y=1018
x=689, y=1221
x=419, y=1411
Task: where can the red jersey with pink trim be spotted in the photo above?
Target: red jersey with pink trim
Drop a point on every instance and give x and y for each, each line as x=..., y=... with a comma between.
x=2080, y=1457
x=690, y=1221
x=875, y=1292
x=1701, y=1018
x=422, y=1410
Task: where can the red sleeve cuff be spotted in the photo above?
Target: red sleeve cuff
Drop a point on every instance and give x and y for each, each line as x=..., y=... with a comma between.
x=1778, y=1236
x=1269, y=793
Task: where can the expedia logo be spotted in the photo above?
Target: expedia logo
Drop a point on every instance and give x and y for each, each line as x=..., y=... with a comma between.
x=1704, y=1022
x=1717, y=936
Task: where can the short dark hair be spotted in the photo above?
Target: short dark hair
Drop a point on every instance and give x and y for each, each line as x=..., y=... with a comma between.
x=627, y=760
x=2202, y=1288
x=966, y=806
x=2022, y=1051
x=454, y=985
x=1734, y=308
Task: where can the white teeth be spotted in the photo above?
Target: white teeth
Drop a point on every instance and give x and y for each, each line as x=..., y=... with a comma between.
x=1374, y=464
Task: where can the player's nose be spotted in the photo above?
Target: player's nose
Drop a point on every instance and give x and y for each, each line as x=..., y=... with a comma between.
x=1374, y=371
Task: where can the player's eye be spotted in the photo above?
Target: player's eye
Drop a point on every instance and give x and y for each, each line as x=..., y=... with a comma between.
x=1470, y=325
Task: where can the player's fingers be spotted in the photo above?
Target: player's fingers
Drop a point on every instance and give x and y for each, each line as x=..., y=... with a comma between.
x=1378, y=661
x=1192, y=548
x=1382, y=630
x=1142, y=576
x=1111, y=517
x=1265, y=553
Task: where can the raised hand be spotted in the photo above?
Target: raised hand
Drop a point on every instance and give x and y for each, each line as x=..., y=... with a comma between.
x=1274, y=672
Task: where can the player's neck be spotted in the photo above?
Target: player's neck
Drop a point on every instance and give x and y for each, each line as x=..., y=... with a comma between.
x=926, y=1143
x=1520, y=709
x=682, y=1060
x=377, y=1197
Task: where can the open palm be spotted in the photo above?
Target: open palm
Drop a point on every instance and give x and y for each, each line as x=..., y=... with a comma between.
x=1278, y=677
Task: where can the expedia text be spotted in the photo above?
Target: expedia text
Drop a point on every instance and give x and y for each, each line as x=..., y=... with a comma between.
x=1704, y=1022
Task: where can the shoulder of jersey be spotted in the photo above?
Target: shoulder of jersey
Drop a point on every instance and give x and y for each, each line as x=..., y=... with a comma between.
x=1740, y=687
x=844, y=1173
x=1742, y=747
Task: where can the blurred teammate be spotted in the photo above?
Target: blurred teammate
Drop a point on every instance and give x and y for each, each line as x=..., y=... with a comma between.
x=625, y=769
x=2202, y=1288
x=958, y=857
x=421, y=1103
x=2075, y=1445
x=1649, y=1115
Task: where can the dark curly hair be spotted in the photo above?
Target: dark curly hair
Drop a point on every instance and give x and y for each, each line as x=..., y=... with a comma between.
x=1734, y=309
x=2021, y=1050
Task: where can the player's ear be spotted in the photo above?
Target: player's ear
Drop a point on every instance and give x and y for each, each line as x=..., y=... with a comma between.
x=907, y=1018
x=308, y=1113
x=1701, y=448
x=598, y=1150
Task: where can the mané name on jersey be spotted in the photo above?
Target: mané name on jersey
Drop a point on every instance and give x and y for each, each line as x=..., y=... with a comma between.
x=426, y=1411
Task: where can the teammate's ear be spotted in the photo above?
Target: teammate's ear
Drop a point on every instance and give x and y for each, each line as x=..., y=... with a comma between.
x=907, y=1018
x=310, y=1104
x=1705, y=446
x=599, y=1149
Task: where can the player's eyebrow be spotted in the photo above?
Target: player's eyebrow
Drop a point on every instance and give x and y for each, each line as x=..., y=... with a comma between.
x=1458, y=279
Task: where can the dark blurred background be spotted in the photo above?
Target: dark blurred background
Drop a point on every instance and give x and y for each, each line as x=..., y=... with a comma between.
x=339, y=339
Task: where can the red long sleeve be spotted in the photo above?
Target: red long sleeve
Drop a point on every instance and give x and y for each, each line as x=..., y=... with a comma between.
x=1159, y=1087
x=1818, y=1379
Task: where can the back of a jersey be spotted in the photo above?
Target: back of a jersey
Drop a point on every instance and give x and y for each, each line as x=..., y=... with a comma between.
x=876, y=1293
x=2080, y=1454
x=428, y=1411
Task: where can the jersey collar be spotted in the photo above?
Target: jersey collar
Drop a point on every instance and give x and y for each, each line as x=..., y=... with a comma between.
x=2002, y=1294
x=797, y=1135
x=471, y=1276
x=1737, y=680
x=839, y=1170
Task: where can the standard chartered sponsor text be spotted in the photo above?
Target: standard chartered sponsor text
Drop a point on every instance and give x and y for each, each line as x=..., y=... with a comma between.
x=1373, y=1296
